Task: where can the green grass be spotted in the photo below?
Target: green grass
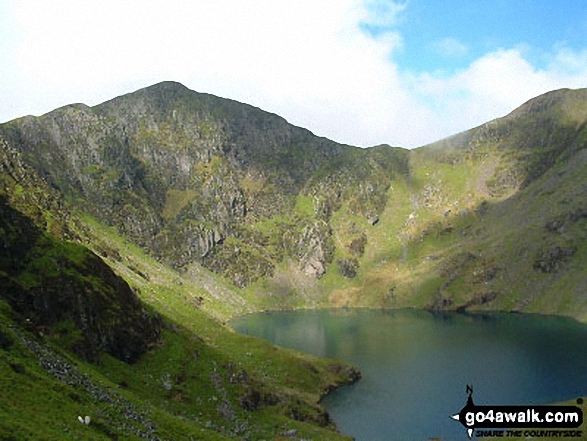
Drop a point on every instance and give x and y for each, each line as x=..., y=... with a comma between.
x=304, y=206
x=189, y=385
x=176, y=377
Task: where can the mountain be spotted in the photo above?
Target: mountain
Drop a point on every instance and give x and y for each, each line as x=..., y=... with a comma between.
x=153, y=218
x=513, y=227
x=90, y=325
x=192, y=178
x=288, y=218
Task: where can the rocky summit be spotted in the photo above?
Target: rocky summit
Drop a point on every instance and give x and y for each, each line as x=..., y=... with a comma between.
x=131, y=230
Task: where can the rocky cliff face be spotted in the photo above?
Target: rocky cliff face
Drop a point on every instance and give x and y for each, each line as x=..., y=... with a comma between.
x=182, y=173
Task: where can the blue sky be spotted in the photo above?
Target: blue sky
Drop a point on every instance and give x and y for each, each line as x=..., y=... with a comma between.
x=450, y=34
x=362, y=72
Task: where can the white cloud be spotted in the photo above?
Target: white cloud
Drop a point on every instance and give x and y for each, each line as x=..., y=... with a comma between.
x=450, y=47
x=305, y=60
x=495, y=84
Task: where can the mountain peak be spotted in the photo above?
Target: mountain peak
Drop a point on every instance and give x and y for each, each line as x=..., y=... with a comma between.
x=159, y=95
x=565, y=103
x=168, y=86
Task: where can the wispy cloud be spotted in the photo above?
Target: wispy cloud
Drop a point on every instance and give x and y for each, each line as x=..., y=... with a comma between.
x=450, y=47
x=384, y=14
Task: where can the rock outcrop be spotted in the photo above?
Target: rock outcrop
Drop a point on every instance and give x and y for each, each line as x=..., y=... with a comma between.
x=179, y=173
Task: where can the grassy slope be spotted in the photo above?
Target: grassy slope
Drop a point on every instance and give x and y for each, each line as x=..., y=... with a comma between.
x=201, y=380
x=181, y=388
x=468, y=225
x=444, y=239
x=189, y=385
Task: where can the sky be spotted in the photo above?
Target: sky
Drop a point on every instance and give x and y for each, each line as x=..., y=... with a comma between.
x=360, y=72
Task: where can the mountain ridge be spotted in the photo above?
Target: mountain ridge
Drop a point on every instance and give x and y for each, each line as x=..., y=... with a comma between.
x=197, y=179
x=204, y=208
x=196, y=142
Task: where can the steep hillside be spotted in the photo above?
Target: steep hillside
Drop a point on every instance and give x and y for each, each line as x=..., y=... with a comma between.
x=189, y=176
x=136, y=355
x=492, y=218
x=289, y=219
x=56, y=287
x=528, y=247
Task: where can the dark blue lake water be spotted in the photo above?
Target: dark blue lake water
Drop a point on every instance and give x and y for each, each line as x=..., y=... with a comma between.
x=416, y=364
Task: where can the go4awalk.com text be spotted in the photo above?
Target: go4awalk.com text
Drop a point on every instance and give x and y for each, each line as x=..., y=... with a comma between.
x=549, y=421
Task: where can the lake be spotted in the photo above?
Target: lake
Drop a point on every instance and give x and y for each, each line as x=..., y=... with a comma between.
x=416, y=364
